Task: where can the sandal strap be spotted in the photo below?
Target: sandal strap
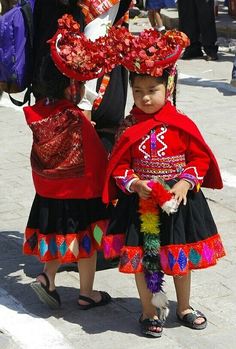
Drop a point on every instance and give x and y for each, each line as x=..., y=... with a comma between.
x=87, y=299
x=194, y=315
x=105, y=297
x=150, y=322
x=46, y=279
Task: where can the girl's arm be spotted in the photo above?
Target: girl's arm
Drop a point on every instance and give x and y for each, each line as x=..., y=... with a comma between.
x=197, y=163
x=128, y=181
x=123, y=174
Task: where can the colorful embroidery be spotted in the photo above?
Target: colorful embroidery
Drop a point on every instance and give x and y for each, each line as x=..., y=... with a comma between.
x=176, y=259
x=180, y=259
x=112, y=245
x=93, y=8
x=102, y=90
x=159, y=137
x=67, y=248
x=57, y=150
x=130, y=260
x=166, y=167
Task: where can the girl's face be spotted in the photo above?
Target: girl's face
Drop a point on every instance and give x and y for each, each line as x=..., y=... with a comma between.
x=149, y=94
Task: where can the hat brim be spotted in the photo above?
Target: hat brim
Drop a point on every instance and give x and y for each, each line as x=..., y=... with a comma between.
x=64, y=68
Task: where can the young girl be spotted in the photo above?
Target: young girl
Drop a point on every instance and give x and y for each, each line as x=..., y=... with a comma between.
x=159, y=144
x=154, y=12
x=67, y=218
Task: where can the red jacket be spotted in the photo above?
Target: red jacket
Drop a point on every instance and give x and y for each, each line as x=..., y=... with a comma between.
x=168, y=115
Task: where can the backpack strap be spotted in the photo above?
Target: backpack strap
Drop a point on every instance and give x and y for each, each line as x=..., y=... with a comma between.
x=28, y=18
x=25, y=100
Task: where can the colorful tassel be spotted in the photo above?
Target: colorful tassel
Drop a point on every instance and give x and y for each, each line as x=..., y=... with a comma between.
x=150, y=227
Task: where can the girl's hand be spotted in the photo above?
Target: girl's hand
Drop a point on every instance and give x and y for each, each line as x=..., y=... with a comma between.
x=141, y=188
x=180, y=190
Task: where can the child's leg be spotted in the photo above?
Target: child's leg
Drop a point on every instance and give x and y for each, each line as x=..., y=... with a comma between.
x=88, y=298
x=87, y=268
x=158, y=19
x=50, y=269
x=150, y=324
x=148, y=310
x=183, y=288
x=151, y=17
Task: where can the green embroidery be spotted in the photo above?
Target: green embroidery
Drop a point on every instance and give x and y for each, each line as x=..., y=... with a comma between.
x=97, y=233
x=194, y=256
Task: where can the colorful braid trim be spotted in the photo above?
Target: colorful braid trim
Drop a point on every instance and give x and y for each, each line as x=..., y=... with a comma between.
x=101, y=92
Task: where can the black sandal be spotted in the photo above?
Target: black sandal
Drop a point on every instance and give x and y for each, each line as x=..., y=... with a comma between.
x=146, y=327
x=190, y=318
x=105, y=299
x=51, y=298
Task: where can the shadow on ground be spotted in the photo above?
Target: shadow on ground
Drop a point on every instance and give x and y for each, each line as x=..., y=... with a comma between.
x=18, y=271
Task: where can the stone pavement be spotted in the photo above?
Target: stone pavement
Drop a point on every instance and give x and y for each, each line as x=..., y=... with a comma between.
x=204, y=93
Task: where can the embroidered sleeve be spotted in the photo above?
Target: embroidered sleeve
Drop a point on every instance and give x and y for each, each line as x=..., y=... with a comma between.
x=197, y=164
x=123, y=174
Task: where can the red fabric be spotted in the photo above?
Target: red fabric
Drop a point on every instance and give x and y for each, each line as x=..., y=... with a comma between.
x=198, y=255
x=167, y=115
x=175, y=259
x=90, y=184
x=68, y=248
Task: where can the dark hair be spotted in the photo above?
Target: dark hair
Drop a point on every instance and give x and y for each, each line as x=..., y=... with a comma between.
x=160, y=79
x=53, y=82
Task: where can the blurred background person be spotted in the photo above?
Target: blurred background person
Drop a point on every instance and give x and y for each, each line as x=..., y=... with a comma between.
x=197, y=21
x=154, y=12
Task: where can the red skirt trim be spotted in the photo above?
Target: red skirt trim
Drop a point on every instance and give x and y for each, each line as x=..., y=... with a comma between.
x=180, y=259
x=66, y=248
x=175, y=259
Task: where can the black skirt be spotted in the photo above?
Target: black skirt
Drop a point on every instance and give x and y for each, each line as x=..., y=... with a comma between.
x=65, y=229
x=188, y=238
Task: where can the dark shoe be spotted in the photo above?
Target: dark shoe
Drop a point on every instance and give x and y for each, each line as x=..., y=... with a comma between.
x=190, y=318
x=192, y=54
x=148, y=327
x=212, y=57
x=51, y=298
x=106, y=298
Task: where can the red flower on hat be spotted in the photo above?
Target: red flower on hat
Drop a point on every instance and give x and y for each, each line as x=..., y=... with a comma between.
x=75, y=55
x=82, y=59
x=151, y=51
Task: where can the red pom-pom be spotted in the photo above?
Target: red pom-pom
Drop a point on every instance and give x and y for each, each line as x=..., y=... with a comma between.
x=160, y=194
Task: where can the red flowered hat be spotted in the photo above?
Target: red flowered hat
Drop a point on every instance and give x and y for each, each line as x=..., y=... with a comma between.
x=151, y=51
x=82, y=59
x=75, y=55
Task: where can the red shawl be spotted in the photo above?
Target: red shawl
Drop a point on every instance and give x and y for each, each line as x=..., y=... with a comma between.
x=170, y=116
x=68, y=159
